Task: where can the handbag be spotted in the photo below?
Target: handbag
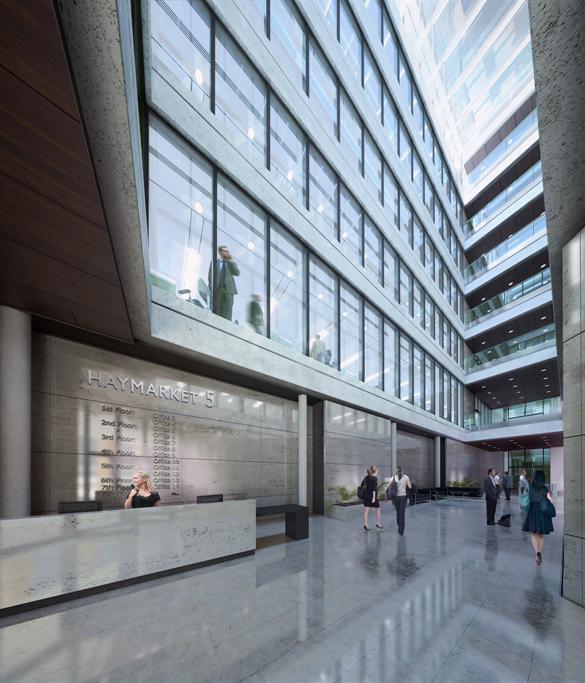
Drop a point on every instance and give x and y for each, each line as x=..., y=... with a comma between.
x=524, y=501
x=547, y=508
x=392, y=490
x=361, y=490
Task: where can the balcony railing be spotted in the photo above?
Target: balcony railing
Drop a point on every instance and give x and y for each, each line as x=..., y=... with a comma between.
x=506, y=248
x=507, y=297
x=498, y=416
x=500, y=202
x=534, y=340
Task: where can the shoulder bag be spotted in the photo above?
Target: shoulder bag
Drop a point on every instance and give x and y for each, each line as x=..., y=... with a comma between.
x=547, y=508
x=392, y=490
x=361, y=490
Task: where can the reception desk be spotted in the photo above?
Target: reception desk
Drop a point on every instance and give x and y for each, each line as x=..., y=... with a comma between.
x=50, y=558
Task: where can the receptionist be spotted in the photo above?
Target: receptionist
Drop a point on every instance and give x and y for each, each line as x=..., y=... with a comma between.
x=142, y=494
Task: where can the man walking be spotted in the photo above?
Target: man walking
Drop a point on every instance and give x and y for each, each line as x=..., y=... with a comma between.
x=507, y=484
x=227, y=271
x=491, y=499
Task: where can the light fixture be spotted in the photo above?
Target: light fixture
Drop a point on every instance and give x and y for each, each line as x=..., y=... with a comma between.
x=543, y=265
x=198, y=76
x=510, y=379
x=543, y=370
x=514, y=386
x=510, y=284
x=482, y=343
x=545, y=378
x=198, y=207
x=251, y=133
x=543, y=317
x=289, y=274
x=510, y=331
x=483, y=386
x=251, y=246
x=483, y=298
x=290, y=175
x=546, y=385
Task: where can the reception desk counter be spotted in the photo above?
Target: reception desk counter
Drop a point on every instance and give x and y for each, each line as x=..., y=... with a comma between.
x=50, y=558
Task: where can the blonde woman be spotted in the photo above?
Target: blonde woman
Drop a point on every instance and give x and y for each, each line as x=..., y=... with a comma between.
x=397, y=490
x=142, y=494
x=370, y=486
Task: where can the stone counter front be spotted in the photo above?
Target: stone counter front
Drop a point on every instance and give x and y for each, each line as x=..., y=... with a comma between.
x=48, y=557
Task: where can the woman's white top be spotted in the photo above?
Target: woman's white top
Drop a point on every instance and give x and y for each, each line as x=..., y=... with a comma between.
x=401, y=483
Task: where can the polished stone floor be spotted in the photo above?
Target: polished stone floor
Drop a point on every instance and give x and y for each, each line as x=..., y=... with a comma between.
x=453, y=600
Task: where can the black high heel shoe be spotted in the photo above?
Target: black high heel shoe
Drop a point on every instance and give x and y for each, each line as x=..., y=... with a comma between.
x=367, y=528
x=379, y=526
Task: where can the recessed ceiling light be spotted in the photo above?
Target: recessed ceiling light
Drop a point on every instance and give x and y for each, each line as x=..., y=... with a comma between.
x=510, y=331
x=510, y=379
x=483, y=386
x=548, y=391
x=489, y=392
x=543, y=370
x=545, y=378
x=510, y=284
x=543, y=265
x=514, y=386
x=543, y=317
x=546, y=385
x=483, y=298
x=482, y=343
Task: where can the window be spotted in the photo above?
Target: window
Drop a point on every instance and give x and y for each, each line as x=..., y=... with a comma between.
x=429, y=138
x=417, y=303
x=181, y=41
x=323, y=316
x=391, y=267
x=240, y=97
x=391, y=196
x=329, y=11
x=373, y=83
x=446, y=395
x=322, y=194
x=454, y=401
x=405, y=367
x=405, y=151
x=405, y=219
x=351, y=227
x=429, y=316
x=374, y=14
x=351, y=133
x=373, y=167
x=373, y=251
x=256, y=10
x=373, y=347
x=350, y=325
x=418, y=112
x=418, y=239
x=287, y=291
x=418, y=376
x=438, y=160
x=287, y=35
x=181, y=210
x=417, y=175
x=288, y=148
x=390, y=365
x=429, y=256
x=390, y=121
x=429, y=196
x=405, y=81
x=239, y=265
x=406, y=288
x=323, y=90
x=429, y=385
x=390, y=48
x=438, y=390
x=350, y=40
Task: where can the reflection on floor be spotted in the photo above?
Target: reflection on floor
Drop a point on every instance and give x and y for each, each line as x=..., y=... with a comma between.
x=453, y=600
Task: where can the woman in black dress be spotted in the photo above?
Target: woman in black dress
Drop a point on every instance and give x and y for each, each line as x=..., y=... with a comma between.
x=370, y=484
x=142, y=494
x=537, y=523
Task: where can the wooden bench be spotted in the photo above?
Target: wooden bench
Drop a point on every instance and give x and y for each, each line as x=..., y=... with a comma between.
x=296, y=518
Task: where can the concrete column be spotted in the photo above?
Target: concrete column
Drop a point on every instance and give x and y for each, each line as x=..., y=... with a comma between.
x=302, y=474
x=437, y=461
x=15, y=412
x=393, y=462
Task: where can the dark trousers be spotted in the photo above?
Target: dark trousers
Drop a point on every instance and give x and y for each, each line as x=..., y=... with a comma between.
x=491, y=503
x=399, y=503
x=224, y=303
x=507, y=492
x=498, y=490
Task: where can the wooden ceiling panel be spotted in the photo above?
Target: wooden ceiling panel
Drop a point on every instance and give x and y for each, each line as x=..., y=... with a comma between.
x=56, y=257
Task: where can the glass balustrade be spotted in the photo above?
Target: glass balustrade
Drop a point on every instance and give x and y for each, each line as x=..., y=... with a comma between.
x=506, y=248
x=498, y=203
x=545, y=406
x=539, y=338
x=508, y=296
x=523, y=130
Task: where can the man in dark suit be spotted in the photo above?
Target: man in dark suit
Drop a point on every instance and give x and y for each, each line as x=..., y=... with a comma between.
x=227, y=271
x=491, y=498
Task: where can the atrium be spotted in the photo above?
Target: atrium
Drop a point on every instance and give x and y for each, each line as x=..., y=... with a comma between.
x=261, y=258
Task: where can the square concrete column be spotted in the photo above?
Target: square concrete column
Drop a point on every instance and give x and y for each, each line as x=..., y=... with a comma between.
x=302, y=463
x=574, y=438
x=15, y=412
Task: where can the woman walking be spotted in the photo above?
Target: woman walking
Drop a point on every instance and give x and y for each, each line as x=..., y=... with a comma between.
x=397, y=489
x=538, y=521
x=370, y=485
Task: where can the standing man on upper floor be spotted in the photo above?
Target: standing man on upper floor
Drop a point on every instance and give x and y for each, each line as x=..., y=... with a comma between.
x=507, y=484
x=491, y=498
x=227, y=271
